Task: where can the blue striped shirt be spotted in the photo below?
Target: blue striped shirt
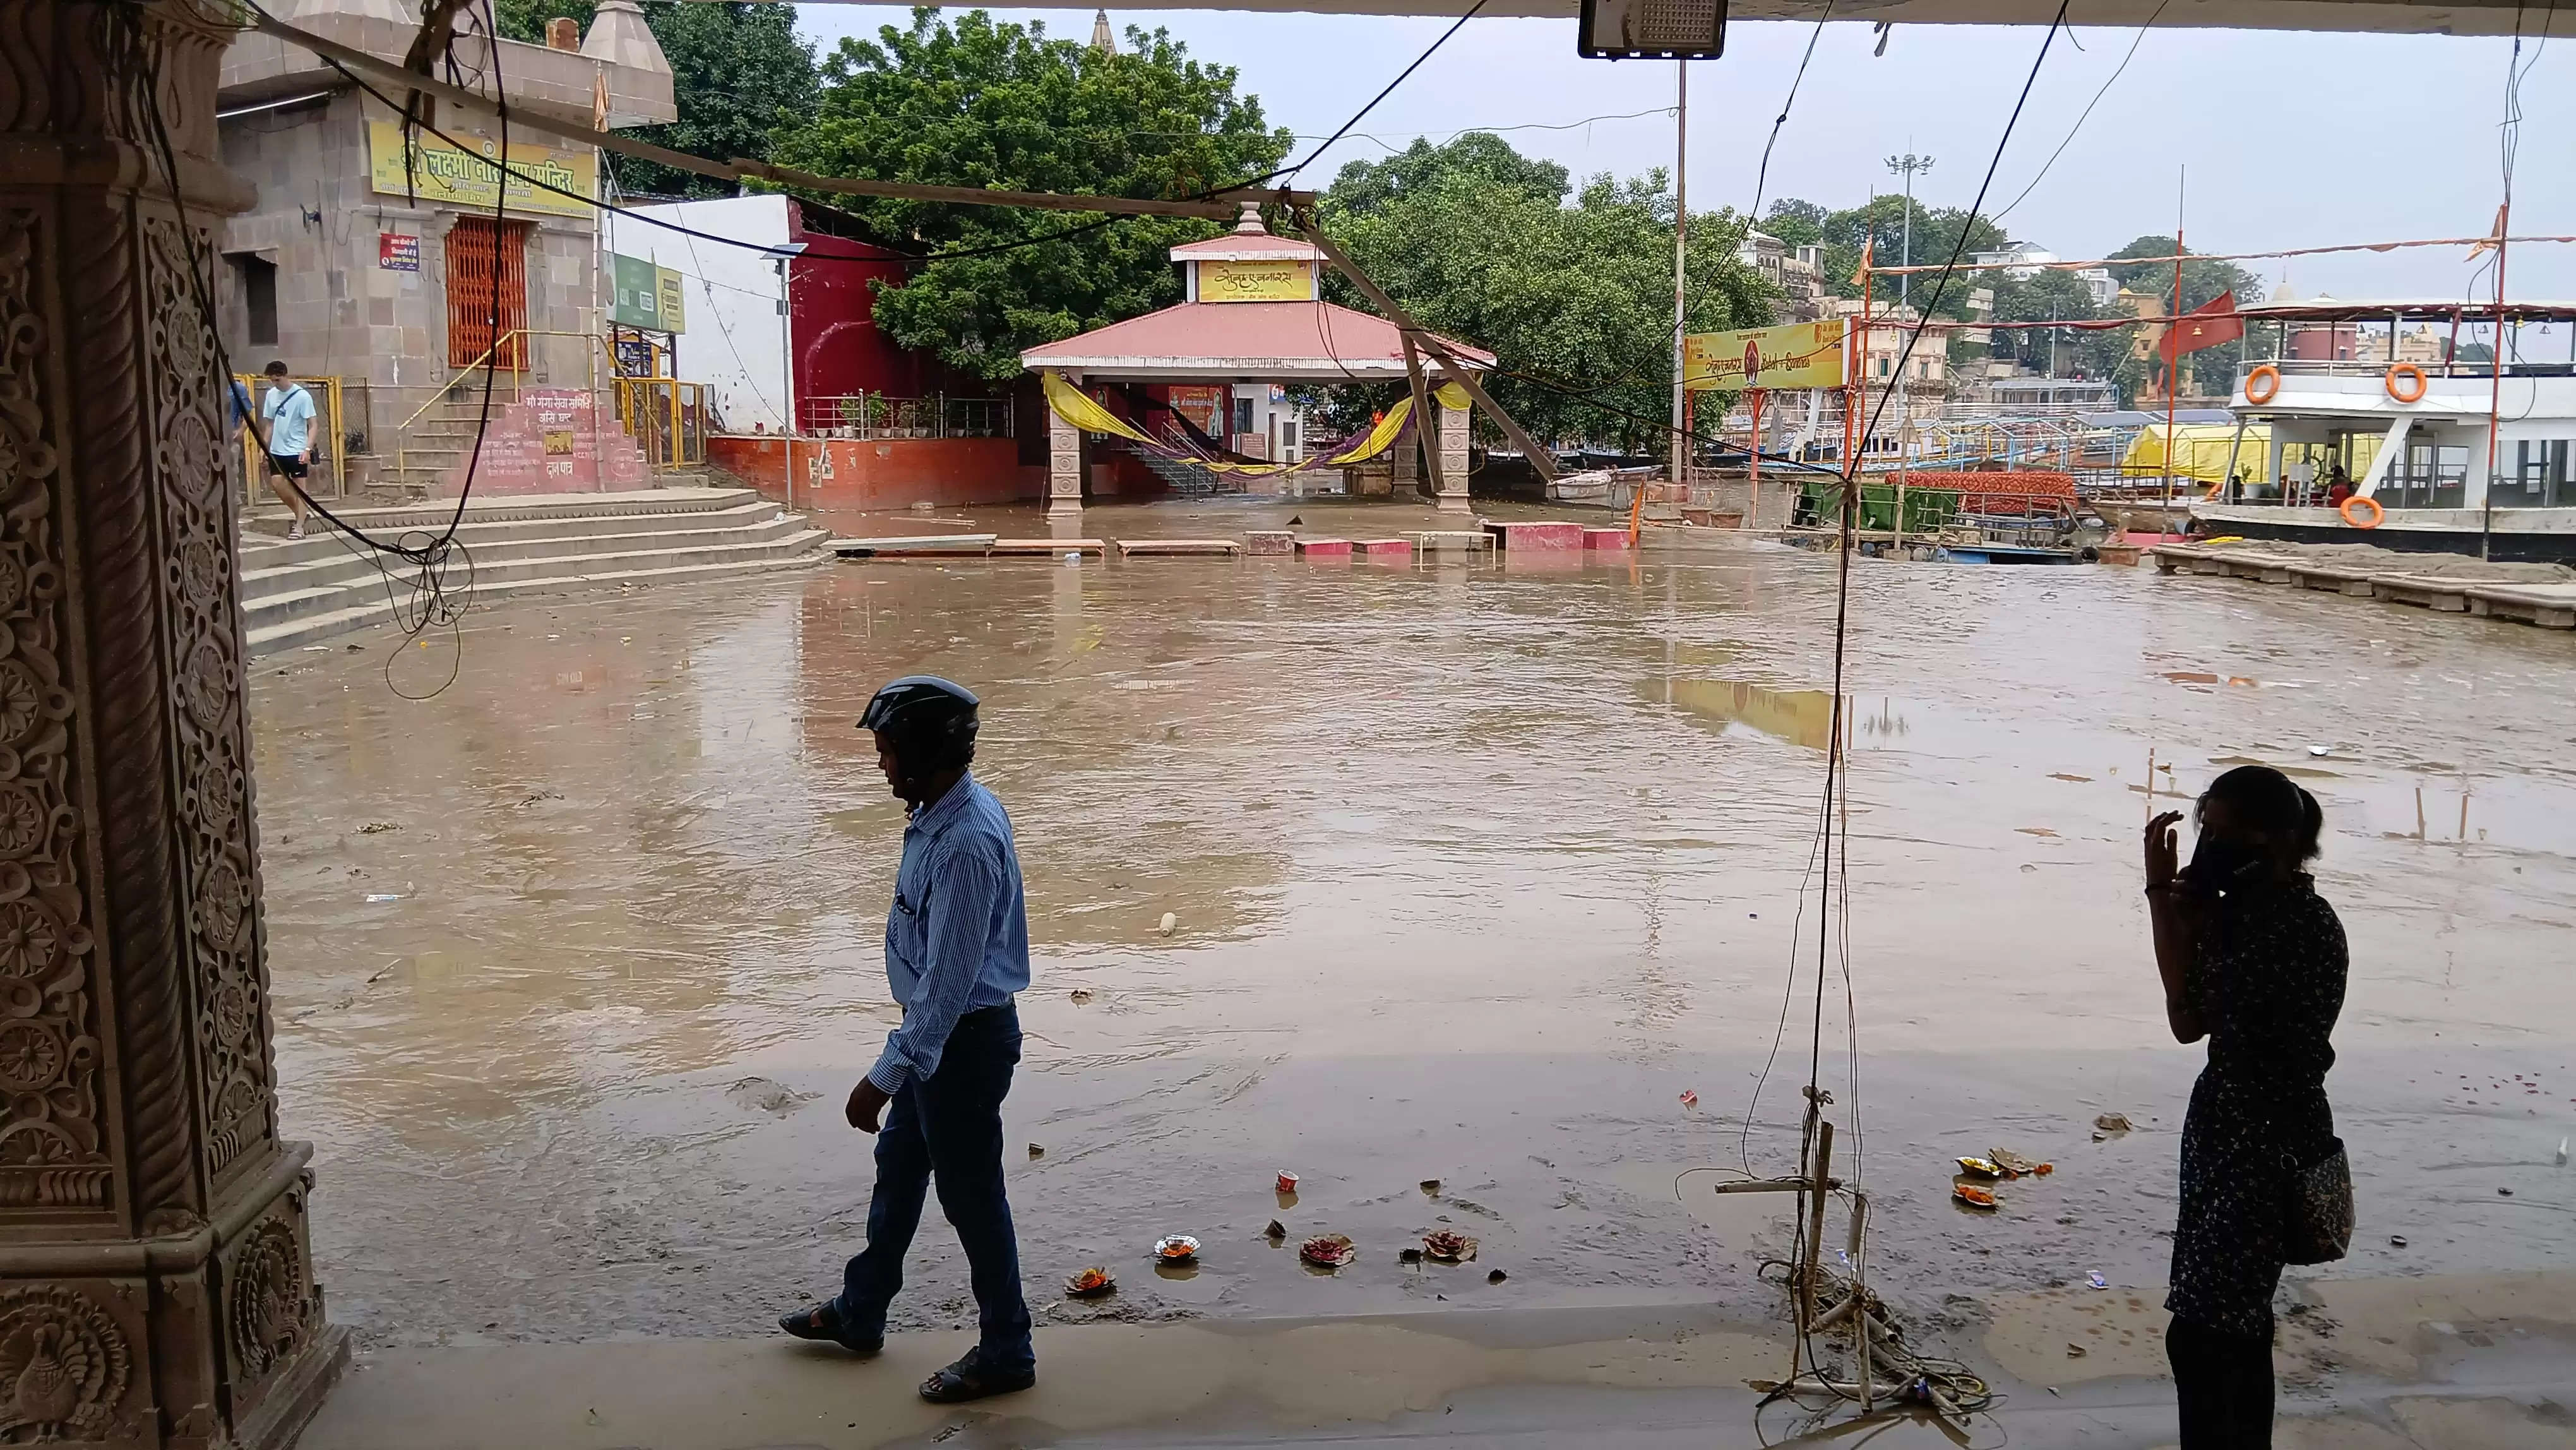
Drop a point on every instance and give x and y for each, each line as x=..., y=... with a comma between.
x=957, y=938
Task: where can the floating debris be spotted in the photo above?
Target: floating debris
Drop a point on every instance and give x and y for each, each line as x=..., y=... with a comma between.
x=1080, y=995
x=1328, y=1251
x=1430, y=1185
x=1973, y=1196
x=1276, y=1231
x=2095, y=1279
x=1448, y=1247
x=1690, y=1098
x=1408, y=1256
x=1176, y=1248
x=1171, y=921
x=1036, y=1152
x=1287, y=1181
x=1091, y=1283
x=1496, y=1277
x=378, y=828
x=1981, y=1168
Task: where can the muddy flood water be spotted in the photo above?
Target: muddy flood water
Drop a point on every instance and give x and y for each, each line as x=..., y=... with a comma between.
x=1473, y=873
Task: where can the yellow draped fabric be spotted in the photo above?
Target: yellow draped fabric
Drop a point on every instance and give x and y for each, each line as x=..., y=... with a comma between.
x=1084, y=412
x=2209, y=451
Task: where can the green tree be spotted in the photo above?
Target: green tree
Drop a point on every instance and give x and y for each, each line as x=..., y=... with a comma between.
x=1369, y=186
x=1574, y=300
x=2203, y=279
x=738, y=73
x=2052, y=296
x=1841, y=234
x=980, y=102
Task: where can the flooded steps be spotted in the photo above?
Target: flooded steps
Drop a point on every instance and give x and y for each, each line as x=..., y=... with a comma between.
x=297, y=592
x=310, y=629
x=2548, y=605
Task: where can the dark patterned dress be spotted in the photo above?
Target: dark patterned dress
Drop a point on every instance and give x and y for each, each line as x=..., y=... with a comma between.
x=2267, y=983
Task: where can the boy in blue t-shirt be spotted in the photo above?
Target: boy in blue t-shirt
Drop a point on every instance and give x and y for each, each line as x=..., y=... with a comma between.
x=288, y=412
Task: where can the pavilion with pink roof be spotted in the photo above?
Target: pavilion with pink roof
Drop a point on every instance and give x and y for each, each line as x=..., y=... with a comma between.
x=1255, y=317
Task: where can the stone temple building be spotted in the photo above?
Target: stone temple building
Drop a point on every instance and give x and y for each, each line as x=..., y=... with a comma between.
x=386, y=267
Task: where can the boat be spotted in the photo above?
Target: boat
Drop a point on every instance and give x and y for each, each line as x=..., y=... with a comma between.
x=2447, y=449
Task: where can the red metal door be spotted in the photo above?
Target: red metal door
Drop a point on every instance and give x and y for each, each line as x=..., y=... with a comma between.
x=487, y=292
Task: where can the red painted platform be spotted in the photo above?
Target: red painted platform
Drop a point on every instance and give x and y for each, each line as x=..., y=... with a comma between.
x=1395, y=550
x=1605, y=539
x=1270, y=541
x=1324, y=548
x=1536, y=537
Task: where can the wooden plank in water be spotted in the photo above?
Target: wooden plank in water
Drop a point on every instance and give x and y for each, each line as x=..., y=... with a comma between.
x=1049, y=546
x=913, y=544
x=1129, y=548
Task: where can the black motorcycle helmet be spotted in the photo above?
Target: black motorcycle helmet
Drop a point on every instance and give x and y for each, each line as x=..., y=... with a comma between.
x=930, y=722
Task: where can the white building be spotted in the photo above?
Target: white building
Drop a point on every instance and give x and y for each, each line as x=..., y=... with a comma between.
x=2022, y=261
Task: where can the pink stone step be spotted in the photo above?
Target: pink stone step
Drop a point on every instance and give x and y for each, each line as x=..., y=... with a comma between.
x=1324, y=548
x=1270, y=541
x=1394, y=550
x=1605, y=539
x=1536, y=537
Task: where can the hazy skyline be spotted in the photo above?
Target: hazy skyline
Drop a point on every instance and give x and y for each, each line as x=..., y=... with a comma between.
x=2291, y=139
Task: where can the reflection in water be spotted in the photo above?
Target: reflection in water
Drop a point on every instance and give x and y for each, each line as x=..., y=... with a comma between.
x=1801, y=717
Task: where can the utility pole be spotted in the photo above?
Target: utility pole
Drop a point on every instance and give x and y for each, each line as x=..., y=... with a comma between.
x=1681, y=239
x=1908, y=164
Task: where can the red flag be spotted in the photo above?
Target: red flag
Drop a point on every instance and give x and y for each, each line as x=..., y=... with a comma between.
x=2207, y=325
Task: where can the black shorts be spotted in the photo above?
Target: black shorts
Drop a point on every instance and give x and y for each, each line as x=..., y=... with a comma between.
x=290, y=465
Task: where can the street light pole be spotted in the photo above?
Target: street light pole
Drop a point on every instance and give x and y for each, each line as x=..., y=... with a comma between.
x=1681, y=244
x=1908, y=164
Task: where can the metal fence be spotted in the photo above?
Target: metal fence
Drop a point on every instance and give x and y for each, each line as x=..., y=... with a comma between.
x=667, y=419
x=879, y=415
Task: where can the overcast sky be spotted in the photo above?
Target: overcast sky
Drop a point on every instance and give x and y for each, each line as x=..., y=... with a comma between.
x=2290, y=139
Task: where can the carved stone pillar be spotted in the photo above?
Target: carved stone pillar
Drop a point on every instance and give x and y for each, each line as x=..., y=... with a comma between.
x=155, y=1283
x=1453, y=459
x=1064, y=469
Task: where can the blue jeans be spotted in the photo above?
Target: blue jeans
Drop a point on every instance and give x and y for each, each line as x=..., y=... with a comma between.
x=948, y=1126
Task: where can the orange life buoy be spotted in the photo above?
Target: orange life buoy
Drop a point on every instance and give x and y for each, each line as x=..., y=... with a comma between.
x=2410, y=395
x=2263, y=384
x=2354, y=507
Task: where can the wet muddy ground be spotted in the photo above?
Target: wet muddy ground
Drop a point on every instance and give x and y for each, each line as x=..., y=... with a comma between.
x=1474, y=872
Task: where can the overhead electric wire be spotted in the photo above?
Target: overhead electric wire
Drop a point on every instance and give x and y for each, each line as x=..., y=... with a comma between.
x=2086, y=113
x=1400, y=78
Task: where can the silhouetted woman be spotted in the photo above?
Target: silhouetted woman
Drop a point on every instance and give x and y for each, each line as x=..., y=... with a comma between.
x=2253, y=959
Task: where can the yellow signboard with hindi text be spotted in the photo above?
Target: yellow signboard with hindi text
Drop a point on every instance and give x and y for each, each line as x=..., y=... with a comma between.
x=442, y=174
x=1793, y=355
x=1241, y=281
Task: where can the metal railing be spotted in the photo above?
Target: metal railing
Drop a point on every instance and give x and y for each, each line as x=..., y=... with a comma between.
x=330, y=421
x=667, y=419
x=509, y=344
x=879, y=415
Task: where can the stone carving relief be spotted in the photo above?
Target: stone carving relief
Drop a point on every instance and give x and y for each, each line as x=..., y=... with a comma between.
x=51, y=1151
x=64, y=1365
x=271, y=1306
x=210, y=741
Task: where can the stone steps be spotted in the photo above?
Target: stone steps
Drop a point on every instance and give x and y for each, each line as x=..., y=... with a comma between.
x=296, y=592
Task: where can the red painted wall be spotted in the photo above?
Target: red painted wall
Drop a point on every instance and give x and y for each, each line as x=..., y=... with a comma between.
x=886, y=473
x=831, y=318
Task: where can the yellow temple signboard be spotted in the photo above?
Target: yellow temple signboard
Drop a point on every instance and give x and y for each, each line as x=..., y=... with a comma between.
x=1281, y=281
x=441, y=173
x=1794, y=355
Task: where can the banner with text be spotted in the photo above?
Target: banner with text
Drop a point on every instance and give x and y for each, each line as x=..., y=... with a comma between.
x=442, y=174
x=644, y=295
x=1793, y=355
